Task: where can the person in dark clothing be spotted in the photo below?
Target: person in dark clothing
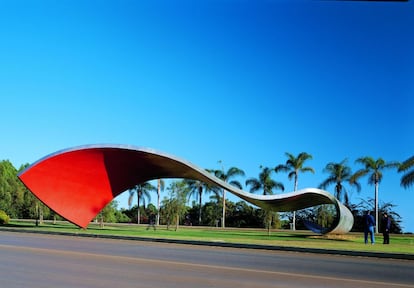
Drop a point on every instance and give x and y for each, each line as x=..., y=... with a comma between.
x=151, y=221
x=386, y=226
x=369, y=225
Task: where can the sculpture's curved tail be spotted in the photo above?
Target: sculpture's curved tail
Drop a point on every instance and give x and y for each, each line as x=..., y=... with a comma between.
x=77, y=183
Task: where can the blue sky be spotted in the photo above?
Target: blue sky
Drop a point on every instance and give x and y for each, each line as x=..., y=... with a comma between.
x=238, y=81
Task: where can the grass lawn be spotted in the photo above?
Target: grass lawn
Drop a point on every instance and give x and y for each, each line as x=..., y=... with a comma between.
x=305, y=239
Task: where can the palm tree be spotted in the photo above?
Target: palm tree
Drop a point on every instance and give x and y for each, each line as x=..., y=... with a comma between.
x=338, y=173
x=293, y=166
x=160, y=187
x=266, y=184
x=231, y=173
x=196, y=189
x=407, y=167
x=143, y=191
x=374, y=168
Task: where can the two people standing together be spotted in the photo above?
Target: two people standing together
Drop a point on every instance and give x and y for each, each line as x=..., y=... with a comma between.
x=369, y=226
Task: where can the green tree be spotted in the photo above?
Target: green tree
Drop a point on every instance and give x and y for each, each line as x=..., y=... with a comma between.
x=109, y=214
x=339, y=173
x=293, y=166
x=374, y=169
x=243, y=215
x=31, y=206
x=143, y=191
x=210, y=213
x=407, y=167
x=151, y=209
x=266, y=184
x=14, y=195
x=196, y=189
x=29, y=202
x=174, y=206
x=8, y=177
x=215, y=206
x=4, y=218
x=324, y=215
x=226, y=177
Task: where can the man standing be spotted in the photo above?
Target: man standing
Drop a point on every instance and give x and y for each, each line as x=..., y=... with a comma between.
x=386, y=226
x=151, y=221
x=369, y=225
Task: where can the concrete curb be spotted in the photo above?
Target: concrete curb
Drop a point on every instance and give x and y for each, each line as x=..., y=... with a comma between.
x=399, y=256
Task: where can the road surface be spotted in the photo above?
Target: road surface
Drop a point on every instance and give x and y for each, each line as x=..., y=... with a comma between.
x=31, y=260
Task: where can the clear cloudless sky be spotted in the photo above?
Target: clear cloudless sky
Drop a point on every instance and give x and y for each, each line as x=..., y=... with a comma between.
x=242, y=82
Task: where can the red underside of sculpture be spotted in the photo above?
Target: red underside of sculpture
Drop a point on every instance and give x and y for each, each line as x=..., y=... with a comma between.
x=76, y=183
x=79, y=184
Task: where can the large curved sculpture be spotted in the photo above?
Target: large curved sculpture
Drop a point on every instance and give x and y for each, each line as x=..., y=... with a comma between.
x=77, y=183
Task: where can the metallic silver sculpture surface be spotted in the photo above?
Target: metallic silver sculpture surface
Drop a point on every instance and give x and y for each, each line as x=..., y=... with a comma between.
x=126, y=166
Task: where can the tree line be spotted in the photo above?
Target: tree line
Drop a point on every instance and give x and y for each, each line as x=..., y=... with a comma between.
x=18, y=202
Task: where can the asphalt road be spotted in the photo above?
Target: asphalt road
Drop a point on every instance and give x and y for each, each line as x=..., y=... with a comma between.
x=31, y=260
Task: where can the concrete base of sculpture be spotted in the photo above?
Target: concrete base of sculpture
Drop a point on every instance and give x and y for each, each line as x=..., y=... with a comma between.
x=77, y=183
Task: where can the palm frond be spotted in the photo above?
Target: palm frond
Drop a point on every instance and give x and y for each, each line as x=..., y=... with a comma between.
x=307, y=169
x=407, y=164
x=130, y=198
x=236, y=183
x=281, y=168
x=407, y=180
x=329, y=181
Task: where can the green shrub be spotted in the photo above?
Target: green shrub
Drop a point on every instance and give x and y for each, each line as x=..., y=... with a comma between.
x=4, y=218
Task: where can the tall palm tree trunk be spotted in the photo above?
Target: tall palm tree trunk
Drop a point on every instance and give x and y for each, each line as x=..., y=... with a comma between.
x=158, y=202
x=223, y=217
x=294, y=212
x=138, y=212
x=199, y=208
x=376, y=207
